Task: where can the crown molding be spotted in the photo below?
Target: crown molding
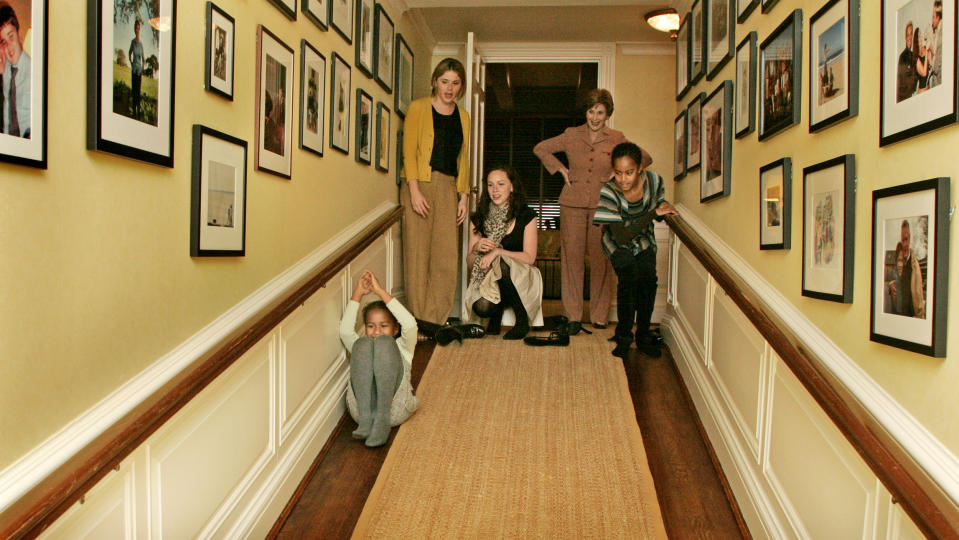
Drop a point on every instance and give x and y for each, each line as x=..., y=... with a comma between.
x=647, y=48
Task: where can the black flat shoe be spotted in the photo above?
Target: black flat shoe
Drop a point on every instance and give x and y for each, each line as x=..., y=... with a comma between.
x=557, y=339
x=471, y=331
x=447, y=334
x=599, y=326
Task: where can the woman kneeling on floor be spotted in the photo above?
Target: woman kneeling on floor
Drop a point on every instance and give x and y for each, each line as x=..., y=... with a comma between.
x=502, y=256
x=380, y=394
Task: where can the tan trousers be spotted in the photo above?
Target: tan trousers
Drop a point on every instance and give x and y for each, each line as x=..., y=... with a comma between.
x=579, y=238
x=430, y=250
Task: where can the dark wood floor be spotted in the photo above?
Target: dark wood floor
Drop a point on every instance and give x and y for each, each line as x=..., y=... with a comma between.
x=691, y=493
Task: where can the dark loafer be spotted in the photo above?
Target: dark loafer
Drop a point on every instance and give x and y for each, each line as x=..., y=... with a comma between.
x=472, y=331
x=558, y=339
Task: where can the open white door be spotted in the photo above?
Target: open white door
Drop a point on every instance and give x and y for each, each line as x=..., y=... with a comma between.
x=475, y=103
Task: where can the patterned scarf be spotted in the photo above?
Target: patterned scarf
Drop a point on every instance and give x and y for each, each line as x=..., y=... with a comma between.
x=495, y=227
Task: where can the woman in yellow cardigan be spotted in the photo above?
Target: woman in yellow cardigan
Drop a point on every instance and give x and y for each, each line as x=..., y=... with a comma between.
x=436, y=153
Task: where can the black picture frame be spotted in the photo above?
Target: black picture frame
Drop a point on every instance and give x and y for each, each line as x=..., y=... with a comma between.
x=383, y=35
x=340, y=97
x=908, y=108
x=312, y=98
x=364, y=127
x=28, y=145
x=318, y=12
x=767, y=5
x=383, y=120
x=364, y=36
x=828, y=255
x=744, y=8
x=720, y=36
x=341, y=18
x=716, y=121
x=114, y=124
x=273, y=123
x=775, y=205
x=697, y=41
x=782, y=52
x=680, y=131
x=694, y=132
x=897, y=319
x=836, y=24
x=403, y=95
x=220, y=51
x=745, y=107
x=217, y=194
x=286, y=7
x=682, y=59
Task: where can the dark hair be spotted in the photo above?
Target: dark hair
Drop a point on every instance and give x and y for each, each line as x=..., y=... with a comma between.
x=517, y=198
x=627, y=149
x=380, y=305
x=449, y=64
x=598, y=96
x=9, y=16
x=937, y=8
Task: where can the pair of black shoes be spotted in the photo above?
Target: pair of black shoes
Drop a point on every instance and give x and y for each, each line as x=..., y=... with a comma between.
x=562, y=329
x=448, y=333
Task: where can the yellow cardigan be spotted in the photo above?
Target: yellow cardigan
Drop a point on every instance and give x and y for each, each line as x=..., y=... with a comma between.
x=418, y=144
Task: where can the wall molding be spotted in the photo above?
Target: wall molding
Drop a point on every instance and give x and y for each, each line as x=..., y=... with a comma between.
x=448, y=49
x=647, y=48
x=604, y=54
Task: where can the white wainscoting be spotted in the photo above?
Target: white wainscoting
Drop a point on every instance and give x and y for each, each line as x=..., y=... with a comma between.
x=225, y=465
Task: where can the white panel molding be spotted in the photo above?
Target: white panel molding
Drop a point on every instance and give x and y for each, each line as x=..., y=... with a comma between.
x=323, y=385
x=680, y=309
x=448, y=49
x=647, y=48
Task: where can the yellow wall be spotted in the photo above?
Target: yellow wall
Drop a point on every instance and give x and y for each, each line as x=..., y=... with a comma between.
x=924, y=386
x=94, y=251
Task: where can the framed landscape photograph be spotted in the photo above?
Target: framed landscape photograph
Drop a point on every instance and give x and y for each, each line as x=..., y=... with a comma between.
x=287, y=7
x=746, y=86
x=720, y=35
x=217, y=195
x=780, y=77
x=775, y=204
x=404, y=76
x=716, y=121
x=383, y=33
x=833, y=64
x=829, y=222
x=918, y=68
x=382, y=137
x=23, y=133
x=220, y=39
x=694, y=133
x=274, y=104
x=910, y=266
x=312, y=98
x=679, y=146
x=340, y=104
x=697, y=38
x=317, y=11
x=130, y=94
x=341, y=18
x=364, y=127
x=744, y=8
x=364, y=37
x=682, y=59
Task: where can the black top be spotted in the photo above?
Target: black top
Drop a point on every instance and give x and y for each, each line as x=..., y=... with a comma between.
x=447, y=142
x=514, y=240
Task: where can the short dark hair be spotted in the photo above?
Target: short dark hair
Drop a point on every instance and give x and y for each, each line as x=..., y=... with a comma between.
x=516, y=201
x=9, y=16
x=627, y=149
x=381, y=305
x=598, y=96
x=937, y=8
x=449, y=64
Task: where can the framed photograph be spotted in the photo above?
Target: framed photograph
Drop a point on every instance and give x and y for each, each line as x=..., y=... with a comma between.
x=220, y=39
x=829, y=222
x=23, y=127
x=312, y=98
x=910, y=266
x=340, y=104
x=918, y=68
x=682, y=59
x=382, y=137
x=404, y=76
x=744, y=8
x=697, y=38
x=679, y=146
x=746, y=86
x=274, y=104
x=383, y=54
x=317, y=11
x=364, y=37
x=694, y=133
x=768, y=5
x=287, y=7
x=720, y=35
x=217, y=195
x=130, y=95
x=717, y=126
x=833, y=64
x=775, y=204
x=364, y=127
x=341, y=18
x=400, y=175
x=780, y=77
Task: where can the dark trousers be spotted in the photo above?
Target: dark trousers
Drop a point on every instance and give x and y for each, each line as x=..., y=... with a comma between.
x=635, y=293
x=136, y=81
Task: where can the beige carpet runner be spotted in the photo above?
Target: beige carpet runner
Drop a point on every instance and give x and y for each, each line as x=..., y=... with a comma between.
x=512, y=441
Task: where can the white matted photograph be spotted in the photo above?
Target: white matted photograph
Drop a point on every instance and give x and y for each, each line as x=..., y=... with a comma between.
x=274, y=104
x=775, y=204
x=218, y=194
x=312, y=98
x=834, y=63
x=716, y=124
x=828, y=229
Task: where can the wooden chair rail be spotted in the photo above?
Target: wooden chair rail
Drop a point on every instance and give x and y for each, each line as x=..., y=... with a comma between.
x=933, y=511
x=41, y=506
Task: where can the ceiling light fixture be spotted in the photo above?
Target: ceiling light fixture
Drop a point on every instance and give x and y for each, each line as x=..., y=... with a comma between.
x=664, y=20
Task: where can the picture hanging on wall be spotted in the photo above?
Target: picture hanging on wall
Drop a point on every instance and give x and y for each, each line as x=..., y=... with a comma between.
x=910, y=266
x=364, y=37
x=220, y=39
x=130, y=95
x=746, y=86
x=744, y=8
x=400, y=175
x=780, y=77
x=364, y=126
x=382, y=137
x=383, y=34
x=312, y=98
x=716, y=123
x=775, y=204
x=720, y=35
x=217, y=195
x=274, y=104
x=918, y=76
x=682, y=59
x=833, y=64
x=404, y=76
x=23, y=129
x=694, y=133
x=697, y=38
x=679, y=146
x=828, y=229
x=317, y=11
x=340, y=104
x=287, y=7
x=768, y=5
x=341, y=18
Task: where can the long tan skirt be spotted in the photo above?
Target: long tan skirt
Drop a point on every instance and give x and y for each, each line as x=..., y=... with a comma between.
x=527, y=280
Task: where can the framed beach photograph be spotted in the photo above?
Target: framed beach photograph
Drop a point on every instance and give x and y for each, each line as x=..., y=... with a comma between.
x=220, y=40
x=715, y=172
x=775, y=204
x=910, y=266
x=382, y=137
x=694, y=132
x=720, y=35
x=679, y=146
x=768, y=5
x=780, y=77
x=340, y=104
x=217, y=194
x=697, y=41
x=364, y=127
x=317, y=11
x=833, y=64
x=746, y=86
x=918, y=68
x=829, y=222
x=130, y=79
x=23, y=129
x=383, y=33
x=341, y=18
x=274, y=104
x=287, y=7
x=364, y=37
x=682, y=59
x=744, y=8
x=404, y=76
x=312, y=98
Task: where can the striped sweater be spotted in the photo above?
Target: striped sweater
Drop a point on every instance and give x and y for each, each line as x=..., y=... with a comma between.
x=614, y=208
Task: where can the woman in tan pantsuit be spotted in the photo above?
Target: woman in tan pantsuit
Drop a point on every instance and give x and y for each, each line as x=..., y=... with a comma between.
x=587, y=148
